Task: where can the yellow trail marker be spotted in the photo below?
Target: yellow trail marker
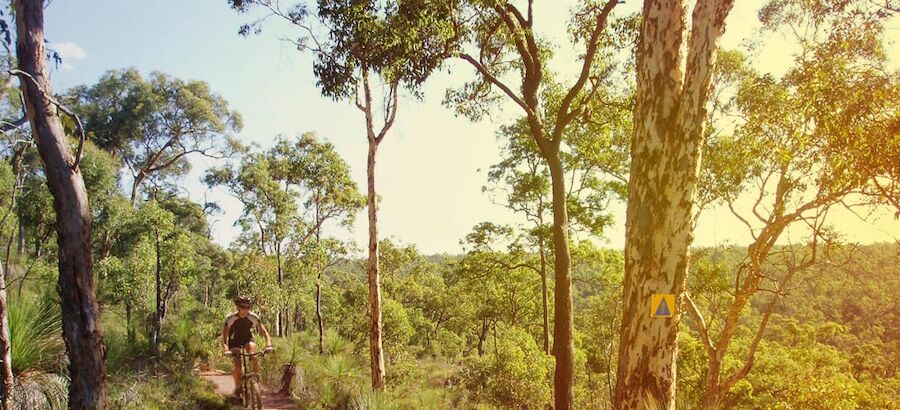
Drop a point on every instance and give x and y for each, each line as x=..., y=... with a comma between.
x=662, y=305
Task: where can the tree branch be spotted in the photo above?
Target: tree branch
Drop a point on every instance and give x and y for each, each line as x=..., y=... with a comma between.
x=79, y=128
x=564, y=115
x=494, y=80
x=701, y=324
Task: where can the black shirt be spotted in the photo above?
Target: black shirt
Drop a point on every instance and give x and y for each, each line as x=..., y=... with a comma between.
x=240, y=328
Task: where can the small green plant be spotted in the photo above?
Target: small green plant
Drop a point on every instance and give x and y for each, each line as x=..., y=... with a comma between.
x=35, y=330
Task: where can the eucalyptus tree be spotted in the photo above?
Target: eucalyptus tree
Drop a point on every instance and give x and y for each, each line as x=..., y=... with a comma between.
x=596, y=157
x=822, y=120
x=669, y=119
x=289, y=193
x=504, y=277
x=507, y=45
x=319, y=179
x=269, y=209
x=154, y=125
x=395, y=43
x=80, y=314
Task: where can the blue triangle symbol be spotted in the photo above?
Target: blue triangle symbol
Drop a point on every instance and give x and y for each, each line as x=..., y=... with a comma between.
x=663, y=309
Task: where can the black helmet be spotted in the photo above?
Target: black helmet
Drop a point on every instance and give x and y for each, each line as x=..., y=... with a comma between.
x=243, y=301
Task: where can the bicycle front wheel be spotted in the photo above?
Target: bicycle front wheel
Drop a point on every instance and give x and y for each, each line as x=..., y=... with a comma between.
x=245, y=395
x=255, y=396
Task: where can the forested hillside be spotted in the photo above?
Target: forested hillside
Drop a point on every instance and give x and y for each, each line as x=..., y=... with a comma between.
x=117, y=282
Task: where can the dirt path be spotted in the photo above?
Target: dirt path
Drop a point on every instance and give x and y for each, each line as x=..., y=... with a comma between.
x=225, y=386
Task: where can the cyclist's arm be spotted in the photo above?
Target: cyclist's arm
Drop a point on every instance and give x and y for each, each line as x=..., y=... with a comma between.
x=265, y=333
x=225, y=336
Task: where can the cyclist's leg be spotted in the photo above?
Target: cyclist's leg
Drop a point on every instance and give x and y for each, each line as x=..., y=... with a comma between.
x=234, y=347
x=251, y=348
x=236, y=368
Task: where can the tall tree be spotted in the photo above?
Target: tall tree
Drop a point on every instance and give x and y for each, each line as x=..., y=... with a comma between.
x=395, y=43
x=11, y=176
x=320, y=180
x=669, y=119
x=81, y=318
x=9, y=189
x=597, y=166
x=505, y=280
x=839, y=92
x=154, y=125
x=269, y=210
x=500, y=32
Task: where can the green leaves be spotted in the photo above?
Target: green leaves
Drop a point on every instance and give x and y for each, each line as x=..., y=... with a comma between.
x=152, y=125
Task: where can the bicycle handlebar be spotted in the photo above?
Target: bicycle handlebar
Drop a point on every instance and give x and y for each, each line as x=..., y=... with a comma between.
x=242, y=354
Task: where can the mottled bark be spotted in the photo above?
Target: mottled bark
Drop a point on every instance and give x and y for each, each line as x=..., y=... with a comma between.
x=665, y=157
x=376, y=348
x=80, y=315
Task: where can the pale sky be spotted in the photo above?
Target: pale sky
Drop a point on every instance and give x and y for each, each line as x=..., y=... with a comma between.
x=428, y=166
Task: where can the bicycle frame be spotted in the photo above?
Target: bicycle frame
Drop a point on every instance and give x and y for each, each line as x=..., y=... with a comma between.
x=245, y=363
x=250, y=394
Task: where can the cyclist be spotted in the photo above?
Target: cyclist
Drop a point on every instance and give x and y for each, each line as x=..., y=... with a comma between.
x=237, y=334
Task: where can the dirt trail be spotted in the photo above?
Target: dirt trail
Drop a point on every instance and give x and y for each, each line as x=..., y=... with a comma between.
x=225, y=386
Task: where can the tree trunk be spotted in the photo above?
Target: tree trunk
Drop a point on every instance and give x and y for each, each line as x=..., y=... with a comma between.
x=319, y=313
x=20, y=248
x=563, y=323
x=376, y=349
x=80, y=315
x=544, y=298
x=298, y=318
x=288, y=374
x=136, y=185
x=280, y=320
x=129, y=325
x=6, y=374
x=154, y=327
x=482, y=336
x=669, y=117
x=711, y=393
x=105, y=245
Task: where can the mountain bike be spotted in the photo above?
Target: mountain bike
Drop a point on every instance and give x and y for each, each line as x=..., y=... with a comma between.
x=250, y=392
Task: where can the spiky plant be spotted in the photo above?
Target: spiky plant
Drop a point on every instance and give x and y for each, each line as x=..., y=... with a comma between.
x=35, y=330
x=40, y=390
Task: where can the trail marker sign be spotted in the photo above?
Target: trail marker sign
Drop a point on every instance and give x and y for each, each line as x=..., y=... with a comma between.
x=662, y=305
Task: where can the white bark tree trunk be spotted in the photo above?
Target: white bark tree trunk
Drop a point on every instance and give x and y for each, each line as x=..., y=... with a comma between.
x=665, y=158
